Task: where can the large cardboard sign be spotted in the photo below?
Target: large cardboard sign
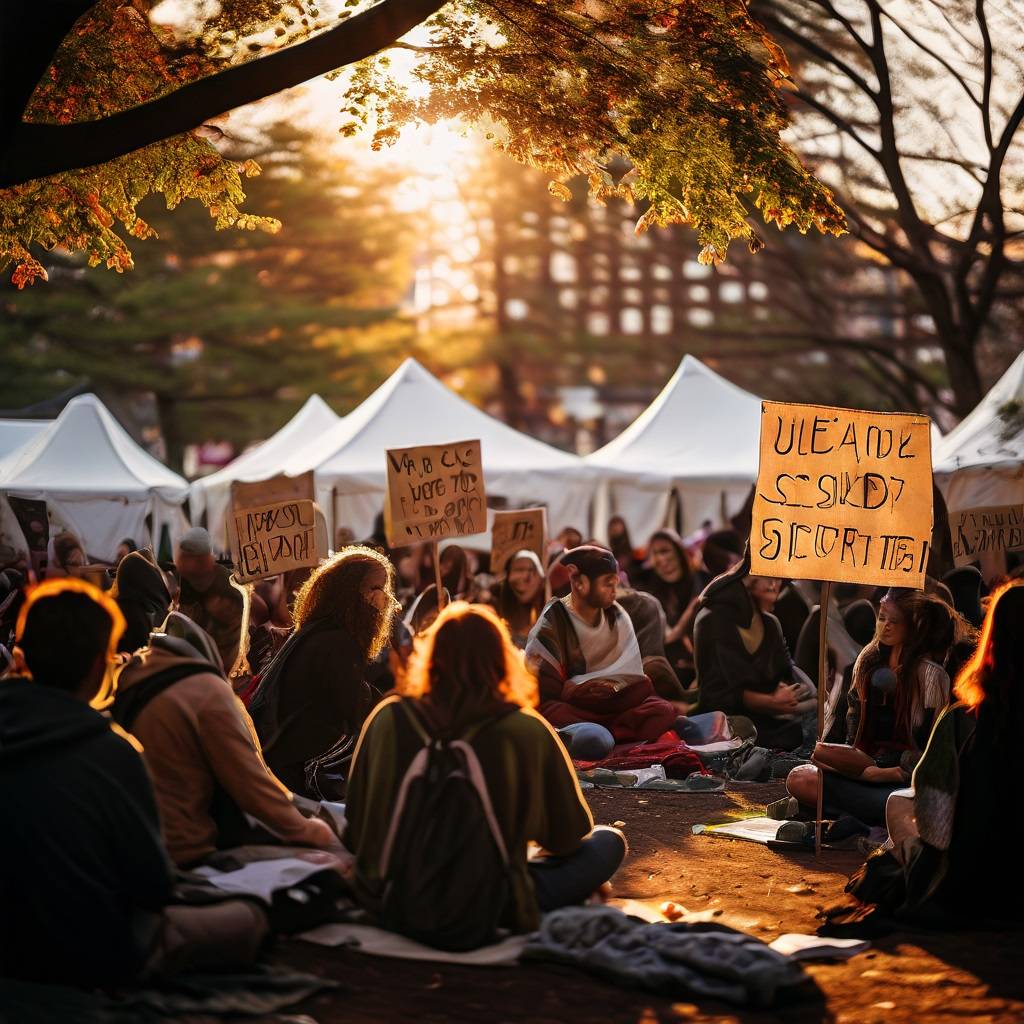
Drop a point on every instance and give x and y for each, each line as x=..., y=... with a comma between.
x=276, y=536
x=435, y=491
x=979, y=531
x=842, y=495
x=518, y=530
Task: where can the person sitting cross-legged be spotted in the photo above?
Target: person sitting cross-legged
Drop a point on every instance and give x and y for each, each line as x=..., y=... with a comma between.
x=467, y=682
x=593, y=687
x=85, y=881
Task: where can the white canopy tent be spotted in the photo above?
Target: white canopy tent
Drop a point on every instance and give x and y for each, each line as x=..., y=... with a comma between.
x=15, y=433
x=95, y=480
x=412, y=408
x=698, y=439
x=981, y=461
x=212, y=494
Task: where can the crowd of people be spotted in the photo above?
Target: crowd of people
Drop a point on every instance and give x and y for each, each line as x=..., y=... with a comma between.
x=169, y=716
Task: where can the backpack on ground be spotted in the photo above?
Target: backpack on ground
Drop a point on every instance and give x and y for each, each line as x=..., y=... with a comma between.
x=444, y=862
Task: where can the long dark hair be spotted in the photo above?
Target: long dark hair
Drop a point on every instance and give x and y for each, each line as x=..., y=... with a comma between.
x=334, y=592
x=510, y=608
x=466, y=668
x=673, y=597
x=932, y=629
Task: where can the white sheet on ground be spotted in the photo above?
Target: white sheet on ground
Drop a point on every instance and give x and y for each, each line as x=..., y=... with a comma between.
x=378, y=942
x=817, y=947
x=262, y=878
x=756, y=830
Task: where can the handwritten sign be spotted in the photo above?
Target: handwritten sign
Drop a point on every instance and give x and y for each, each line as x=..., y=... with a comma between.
x=435, y=491
x=274, y=537
x=842, y=495
x=516, y=530
x=978, y=531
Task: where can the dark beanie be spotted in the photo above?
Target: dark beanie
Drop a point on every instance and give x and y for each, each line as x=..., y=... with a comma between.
x=591, y=560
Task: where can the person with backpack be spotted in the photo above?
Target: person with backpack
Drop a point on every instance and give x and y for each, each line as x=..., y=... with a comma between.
x=200, y=747
x=452, y=780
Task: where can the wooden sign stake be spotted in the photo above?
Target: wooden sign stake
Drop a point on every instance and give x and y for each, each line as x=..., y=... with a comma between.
x=437, y=577
x=826, y=596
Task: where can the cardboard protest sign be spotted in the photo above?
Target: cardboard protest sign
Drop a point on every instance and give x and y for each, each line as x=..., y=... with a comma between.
x=246, y=494
x=516, y=530
x=978, y=531
x=435, y=491
x=842, y=495
x=276, y=536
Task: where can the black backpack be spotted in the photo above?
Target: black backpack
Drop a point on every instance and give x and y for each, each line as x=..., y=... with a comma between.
x=444, y=862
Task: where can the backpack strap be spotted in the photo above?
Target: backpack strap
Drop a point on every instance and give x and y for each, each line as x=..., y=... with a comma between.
x=129, y=704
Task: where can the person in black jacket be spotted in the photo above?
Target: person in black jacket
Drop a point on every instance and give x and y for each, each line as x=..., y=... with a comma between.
x=143, y=598
x=84, y=877
x=314, y=696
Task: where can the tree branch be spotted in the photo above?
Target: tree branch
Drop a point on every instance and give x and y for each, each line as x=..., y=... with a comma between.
x=39, y=150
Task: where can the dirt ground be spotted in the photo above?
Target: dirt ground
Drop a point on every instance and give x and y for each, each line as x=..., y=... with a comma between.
x=909, y=978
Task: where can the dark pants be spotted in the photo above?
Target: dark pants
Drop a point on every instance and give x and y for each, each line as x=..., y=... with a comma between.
x=864, y=801
x=566, y=881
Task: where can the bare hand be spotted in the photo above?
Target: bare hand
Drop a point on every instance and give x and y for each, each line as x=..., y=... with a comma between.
x=784, y=699
x=319, y=833
x=875, y=774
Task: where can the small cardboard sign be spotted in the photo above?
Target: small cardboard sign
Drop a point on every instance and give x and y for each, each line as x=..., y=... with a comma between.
x=274, y=537
x=516, y=530
x=979, y=531
x=842, y=495
x=435, y=491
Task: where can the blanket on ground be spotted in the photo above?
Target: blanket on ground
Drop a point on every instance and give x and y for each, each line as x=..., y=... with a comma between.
x=668, y=750
x=675, y=959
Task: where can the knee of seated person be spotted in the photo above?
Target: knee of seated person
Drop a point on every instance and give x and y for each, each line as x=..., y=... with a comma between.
x=611, y=839
x=587, y=741
x=802, y=782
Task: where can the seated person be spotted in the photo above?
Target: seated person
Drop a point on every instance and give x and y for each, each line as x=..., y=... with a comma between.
x=200, y=748
x=898, y=688
x=956, y=835
x=585, y=653
x=743, y=664
x=313, y=698
x=519, y=597
x=207, y=595
x=670, y=578
x=141, y=594
x=468, y=676
x=621, y=546
x=84, y=878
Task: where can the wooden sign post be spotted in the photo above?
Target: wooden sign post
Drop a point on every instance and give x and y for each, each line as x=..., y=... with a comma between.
x=842, y=496
x=434, y=492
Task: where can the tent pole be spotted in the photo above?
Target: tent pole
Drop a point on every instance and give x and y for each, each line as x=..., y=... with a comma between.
x=823, y=605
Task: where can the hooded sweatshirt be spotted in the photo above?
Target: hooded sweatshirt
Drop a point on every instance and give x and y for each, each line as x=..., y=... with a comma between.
x=83, y=873
x=730, y=654
x=143, y=599
x=203, y=755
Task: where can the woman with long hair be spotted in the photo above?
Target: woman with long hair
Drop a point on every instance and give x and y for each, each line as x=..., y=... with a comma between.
x=899, y=687
x=519, y=597
x=313, y=697
x=466, y=679
x=956, y=835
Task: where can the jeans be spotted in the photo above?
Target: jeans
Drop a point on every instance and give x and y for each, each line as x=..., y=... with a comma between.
x=864, y=801
x=587, y=741
x=566, y=881
x=698, y=729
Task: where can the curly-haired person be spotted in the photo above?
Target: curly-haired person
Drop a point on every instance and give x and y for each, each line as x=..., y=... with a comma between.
x=313, y=698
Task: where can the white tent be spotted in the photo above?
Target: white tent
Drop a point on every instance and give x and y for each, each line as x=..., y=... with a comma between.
x=981, y=461
x=95, y=480
x=699, y=438
x=412, y=407
x=212, y=493
x=15, y=433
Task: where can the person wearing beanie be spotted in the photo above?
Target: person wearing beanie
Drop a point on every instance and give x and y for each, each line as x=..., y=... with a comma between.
x=585, y=654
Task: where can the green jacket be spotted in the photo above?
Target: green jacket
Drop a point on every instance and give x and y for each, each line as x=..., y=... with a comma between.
x=530, y=779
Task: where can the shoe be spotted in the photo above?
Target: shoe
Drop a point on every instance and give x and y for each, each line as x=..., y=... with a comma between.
x=798, y=832
x=783, y=809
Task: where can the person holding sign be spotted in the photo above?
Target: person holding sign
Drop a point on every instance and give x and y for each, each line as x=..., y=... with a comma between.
x=519, y=598
x=313, y=697
x=587, y=660
x=743, y=664
x=899, y=686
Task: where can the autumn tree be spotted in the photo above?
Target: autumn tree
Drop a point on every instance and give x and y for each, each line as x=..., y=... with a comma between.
x=232, y=331
x=912, y=112
x=102, y=107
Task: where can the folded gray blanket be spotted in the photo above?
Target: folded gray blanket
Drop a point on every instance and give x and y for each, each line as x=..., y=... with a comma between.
x=673, y=959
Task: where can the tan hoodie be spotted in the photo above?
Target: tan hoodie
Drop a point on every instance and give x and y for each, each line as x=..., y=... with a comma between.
x=194, y=732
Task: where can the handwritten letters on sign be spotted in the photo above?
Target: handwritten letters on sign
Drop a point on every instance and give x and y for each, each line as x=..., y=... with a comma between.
x=977, y=531
x=275, y=537
x=518, y=530
x=435, y=491
x=842, y=495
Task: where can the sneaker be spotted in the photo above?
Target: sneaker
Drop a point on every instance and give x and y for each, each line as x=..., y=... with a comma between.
x=801, y=832
x=783, y=809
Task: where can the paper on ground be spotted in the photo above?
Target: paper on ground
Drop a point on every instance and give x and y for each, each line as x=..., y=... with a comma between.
x=377, y=942
x=756, y=830
x=817, y=947
x=262, y=878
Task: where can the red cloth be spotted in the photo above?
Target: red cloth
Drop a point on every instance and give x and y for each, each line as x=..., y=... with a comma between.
x=645, y=721
x=668, y=750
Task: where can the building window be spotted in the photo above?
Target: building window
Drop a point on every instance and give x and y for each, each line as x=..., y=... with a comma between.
x=632, y=321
